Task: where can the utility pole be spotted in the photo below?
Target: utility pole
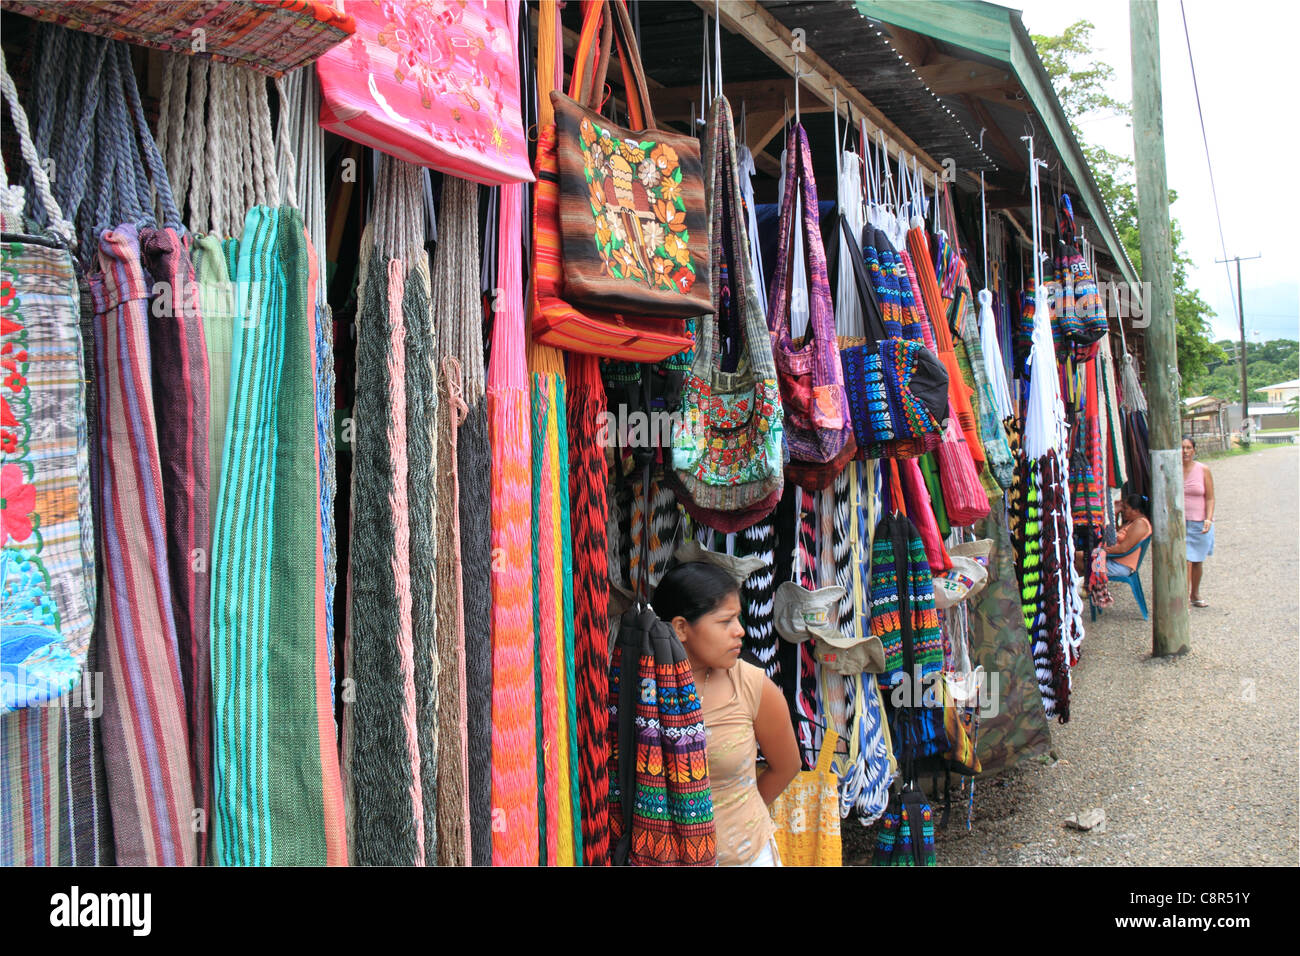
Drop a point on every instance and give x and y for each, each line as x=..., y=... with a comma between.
x=1169, y=630
x=1241, y=327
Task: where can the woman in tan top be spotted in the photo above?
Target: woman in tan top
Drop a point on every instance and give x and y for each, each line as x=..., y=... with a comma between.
x=742, y=711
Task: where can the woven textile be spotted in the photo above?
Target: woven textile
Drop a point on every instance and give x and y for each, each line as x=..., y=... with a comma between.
x=421, y=414
x=514, y=744
x=383, y=759
x=453, y=768
x=553, y=609
x=807, y=814
x=463, y=745
x=47, y=590
x=970, y=354
x=586, y=407
x=179, y=363
x=902, y=600
x=817, y=423
x=758, y=593
x=145, y=745
x=660, y=801
x=271, y=36
x=545, y=605
x=807, y=703
x=277, y=790
x=727, y=450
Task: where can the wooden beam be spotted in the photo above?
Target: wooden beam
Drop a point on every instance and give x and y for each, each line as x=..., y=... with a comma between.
x=917, y=49
x=1011, y=100
x=769, y=126
x=1015, y=157
x=755, y=24
x=950, y=75
x=758, y=94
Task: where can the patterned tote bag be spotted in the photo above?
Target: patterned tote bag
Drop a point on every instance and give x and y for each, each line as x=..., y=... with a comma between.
x=632, y=211
x=556, y=321
x=817, y=423
x=727, y=440
x=432, y=82
x=47, y=565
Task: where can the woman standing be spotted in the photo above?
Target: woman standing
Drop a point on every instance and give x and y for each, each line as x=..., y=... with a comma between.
x=743, y=711
x=1198, y=498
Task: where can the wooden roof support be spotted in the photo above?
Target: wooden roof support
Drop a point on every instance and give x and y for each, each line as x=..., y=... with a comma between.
x=1016, y=158
x=764, y=31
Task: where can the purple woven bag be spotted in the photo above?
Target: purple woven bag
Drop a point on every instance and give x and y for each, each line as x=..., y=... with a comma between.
x=817, y=422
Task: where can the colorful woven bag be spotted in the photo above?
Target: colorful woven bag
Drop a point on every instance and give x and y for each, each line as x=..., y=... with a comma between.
x=660, y=802
x=915, y=383
x=632, y=212
x=906, y=834
x=556, y=322
x=817, y=423
x=807, y=813
x=47, y=565
x=864, y=375
x=726, y=453
x=432, y=82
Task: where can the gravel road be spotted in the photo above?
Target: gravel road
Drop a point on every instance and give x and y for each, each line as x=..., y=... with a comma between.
x=1193, y=759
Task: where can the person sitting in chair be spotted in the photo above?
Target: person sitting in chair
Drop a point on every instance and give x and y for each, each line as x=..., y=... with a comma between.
x=1135, y=529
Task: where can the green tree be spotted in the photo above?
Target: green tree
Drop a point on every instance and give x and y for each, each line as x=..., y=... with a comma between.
x=1080, y=81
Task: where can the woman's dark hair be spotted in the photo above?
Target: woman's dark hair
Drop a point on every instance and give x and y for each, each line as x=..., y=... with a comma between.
x=692, y=590
x=1136, y=502
x=1189, y=438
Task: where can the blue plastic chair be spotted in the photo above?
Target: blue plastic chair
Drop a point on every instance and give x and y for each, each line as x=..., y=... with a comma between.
x=1134, y=580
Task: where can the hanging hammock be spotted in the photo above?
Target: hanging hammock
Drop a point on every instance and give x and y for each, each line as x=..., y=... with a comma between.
x=514, y=725
x=586, y=408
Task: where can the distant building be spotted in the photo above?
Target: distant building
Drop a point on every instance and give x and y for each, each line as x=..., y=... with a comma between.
x=1282, y=392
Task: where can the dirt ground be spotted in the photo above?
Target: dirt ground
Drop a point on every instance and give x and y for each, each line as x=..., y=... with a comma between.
x=1193, y=759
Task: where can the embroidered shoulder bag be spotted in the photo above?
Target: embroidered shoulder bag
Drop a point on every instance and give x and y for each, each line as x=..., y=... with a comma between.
x=726, y=454
x=817, y=424
x=47, y=558
x=556, y=321
x=632, y=214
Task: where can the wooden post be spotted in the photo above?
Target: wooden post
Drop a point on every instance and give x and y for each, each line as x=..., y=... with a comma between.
x=1169, y=625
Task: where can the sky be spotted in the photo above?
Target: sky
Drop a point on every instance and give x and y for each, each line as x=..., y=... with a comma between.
x=1246, y=65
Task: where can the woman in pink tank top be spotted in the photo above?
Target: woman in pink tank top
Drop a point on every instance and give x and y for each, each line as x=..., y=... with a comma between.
x=1198, y=503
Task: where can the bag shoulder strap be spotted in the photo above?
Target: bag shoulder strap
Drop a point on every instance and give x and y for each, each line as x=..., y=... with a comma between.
x=821, y=318
x=830, y=742
x=60, y=226
x=875, y=325
x=725, y=204
x=591, y=88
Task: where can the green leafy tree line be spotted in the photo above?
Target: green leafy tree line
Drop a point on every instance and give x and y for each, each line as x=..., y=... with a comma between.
x=1267, y=363
x=1081, y=81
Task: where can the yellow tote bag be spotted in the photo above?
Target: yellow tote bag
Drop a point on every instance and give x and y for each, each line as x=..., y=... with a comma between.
x=807, y=814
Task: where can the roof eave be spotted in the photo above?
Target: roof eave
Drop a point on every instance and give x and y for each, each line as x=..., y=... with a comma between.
x=999, y=33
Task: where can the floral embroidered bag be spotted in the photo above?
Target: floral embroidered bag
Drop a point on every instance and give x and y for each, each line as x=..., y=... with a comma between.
x=432, y=82
x=727, y=454
x=817, y=423
x=47, y=555
x=632, y=212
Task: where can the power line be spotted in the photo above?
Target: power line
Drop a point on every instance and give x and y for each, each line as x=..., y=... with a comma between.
x=1223, y=245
